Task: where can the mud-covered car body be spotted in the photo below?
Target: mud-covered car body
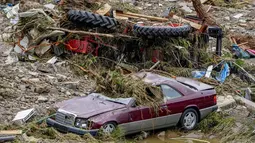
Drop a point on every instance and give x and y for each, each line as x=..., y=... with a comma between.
x=88, y=114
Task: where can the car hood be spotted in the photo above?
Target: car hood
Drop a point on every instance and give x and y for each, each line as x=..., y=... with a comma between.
x=88, y=106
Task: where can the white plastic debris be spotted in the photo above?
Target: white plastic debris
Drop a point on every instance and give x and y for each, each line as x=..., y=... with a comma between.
x=14, y=20
x=209, y=71
x=238, y=16
x=24, y=43
x=23, y=116
x=43, y=48
x=52, y=60
x=49, y=6
x=12, y=11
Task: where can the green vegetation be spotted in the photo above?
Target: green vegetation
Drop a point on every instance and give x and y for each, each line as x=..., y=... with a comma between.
x=215, y=122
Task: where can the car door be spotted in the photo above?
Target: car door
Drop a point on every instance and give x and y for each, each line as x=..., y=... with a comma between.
x=140, y=119
x=173, y=100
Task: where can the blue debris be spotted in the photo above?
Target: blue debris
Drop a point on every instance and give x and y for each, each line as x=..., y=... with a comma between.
x=224, y=73
x=198, y=74
x=240, y=53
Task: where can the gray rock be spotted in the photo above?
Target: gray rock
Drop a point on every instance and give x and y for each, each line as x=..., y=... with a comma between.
x=242, y=20
x=23, y=99
x=195, y=135
x=42, y=99
x=71, y=85
x=22, y=87
x=162, y=135
x=68, y=93
x=227, y=18
x=41, y=89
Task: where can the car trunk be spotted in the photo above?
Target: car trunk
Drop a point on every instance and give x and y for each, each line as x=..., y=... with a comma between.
x=194, y=84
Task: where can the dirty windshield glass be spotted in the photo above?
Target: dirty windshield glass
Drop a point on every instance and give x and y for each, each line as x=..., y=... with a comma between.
x=124, y=101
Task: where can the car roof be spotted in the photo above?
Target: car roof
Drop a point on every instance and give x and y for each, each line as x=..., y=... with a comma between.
x=152, y=78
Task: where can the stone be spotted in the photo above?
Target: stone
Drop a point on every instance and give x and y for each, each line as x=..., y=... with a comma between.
x=237, y=16
x=22, y=87
x=36, y=80
x=42, y=99
x=71, y=85
x=68, y=93
x=41, y=89
x=186, y=9
x=148, y=4
x=242, y=20
x=195, y=135
x=23, y=99
x=33, y=73
x=162, y=135
x=227, y=18
x=225, y=102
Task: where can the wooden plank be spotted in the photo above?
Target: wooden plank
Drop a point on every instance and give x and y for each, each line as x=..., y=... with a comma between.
x=193, y=24
x=121, y=17
x=104, y=10
x=135, y=15
x=203, y=1
x=11, y=132
x=129, y=16
x=148, y=17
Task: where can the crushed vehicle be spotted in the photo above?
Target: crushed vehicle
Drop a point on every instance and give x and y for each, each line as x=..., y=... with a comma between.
x=185, y=102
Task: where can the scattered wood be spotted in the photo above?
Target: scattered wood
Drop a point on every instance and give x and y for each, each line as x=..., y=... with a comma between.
x=193, y=24
x=241, y=44
x=155, y=65
x=248, y=74
x=202, y=13
x=135, y=15
x=11, y=132
x=203, y=1
x=104, y=10
x=209, y=8
x=90, y=33
x=123, y=16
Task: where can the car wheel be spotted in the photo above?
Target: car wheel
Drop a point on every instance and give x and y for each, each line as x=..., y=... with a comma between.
x=189, y=119
x=109, y=127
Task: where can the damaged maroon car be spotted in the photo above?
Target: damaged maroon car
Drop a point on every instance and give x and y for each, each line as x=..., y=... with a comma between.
x=185, y=102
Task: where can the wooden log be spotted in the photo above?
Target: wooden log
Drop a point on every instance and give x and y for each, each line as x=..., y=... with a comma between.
x=90, y=33
x=11, y=132
x=153, y=18
x=202, y=13
x=193, y=24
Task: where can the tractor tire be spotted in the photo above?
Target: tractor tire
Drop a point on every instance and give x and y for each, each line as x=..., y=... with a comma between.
x=162, y=31
x=91, y=19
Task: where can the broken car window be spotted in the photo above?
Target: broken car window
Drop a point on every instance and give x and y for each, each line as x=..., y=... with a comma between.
x=169, y=92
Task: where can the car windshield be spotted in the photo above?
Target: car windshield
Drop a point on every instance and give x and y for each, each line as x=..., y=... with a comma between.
x=124, y=101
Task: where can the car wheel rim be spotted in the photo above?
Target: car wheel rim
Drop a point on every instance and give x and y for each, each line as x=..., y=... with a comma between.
x=190, y=120
x=109, y=128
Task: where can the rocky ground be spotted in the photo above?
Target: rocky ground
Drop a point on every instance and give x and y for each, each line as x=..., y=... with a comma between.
x=36, y=85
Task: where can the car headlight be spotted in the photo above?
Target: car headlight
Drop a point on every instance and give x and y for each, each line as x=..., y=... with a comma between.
x=83, y=123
